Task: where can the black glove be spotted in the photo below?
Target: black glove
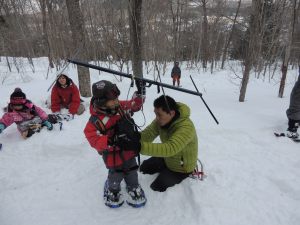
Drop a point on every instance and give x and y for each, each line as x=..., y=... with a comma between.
x=141, y=89
x=127, y=136
x=53, y=118
x=128, y=144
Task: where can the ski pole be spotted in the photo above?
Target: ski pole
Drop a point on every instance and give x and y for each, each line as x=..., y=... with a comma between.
x=67, y=64
x=60, y=125
x=0, y=146
x=204, y=101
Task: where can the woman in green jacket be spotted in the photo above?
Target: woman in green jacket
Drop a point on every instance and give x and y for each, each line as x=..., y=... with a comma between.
x=176, y=156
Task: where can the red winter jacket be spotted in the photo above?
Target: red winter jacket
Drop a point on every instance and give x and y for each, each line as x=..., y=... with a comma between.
x=112, y=156
x=65, y=98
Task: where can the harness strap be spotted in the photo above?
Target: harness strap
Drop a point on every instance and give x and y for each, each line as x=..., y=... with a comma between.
x=99, y=124
x=127, y=170
x=125, y=115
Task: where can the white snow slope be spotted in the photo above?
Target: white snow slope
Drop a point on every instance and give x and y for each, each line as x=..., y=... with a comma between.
x=252, y=177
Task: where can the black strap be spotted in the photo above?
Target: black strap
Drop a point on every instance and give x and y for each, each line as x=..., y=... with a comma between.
x=127, y=170
x=125, y=116
x=98, y=124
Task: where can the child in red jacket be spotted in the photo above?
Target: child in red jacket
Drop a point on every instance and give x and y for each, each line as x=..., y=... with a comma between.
x=65, y=94
x=112, y=133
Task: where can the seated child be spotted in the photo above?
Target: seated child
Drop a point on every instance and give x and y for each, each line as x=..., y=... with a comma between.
x=28, y=117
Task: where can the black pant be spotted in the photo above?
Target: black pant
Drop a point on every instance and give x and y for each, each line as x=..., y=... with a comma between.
x=166, y=177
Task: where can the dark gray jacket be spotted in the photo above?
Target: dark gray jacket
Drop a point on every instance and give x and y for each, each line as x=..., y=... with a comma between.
x=293, y=112
x=176, y=71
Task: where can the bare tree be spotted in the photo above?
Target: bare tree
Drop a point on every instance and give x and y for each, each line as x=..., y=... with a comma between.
x=205, y=41
x=288, y=47
x=176, y=8
x=190, y=30
x=253, y=43
x=230, y=35
x=45, y=32
x=77, y=28
x=135, y=16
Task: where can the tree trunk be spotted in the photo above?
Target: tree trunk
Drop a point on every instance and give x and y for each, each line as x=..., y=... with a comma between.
x=245, y=82
x=135, y=10
x=176, y=10
x=251, y=48
x=287, y=50
x=205, y=42
x=77, y=29
x=45, y=33
x=230, y=36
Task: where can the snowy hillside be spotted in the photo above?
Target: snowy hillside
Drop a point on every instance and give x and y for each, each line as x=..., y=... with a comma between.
x=56, y=178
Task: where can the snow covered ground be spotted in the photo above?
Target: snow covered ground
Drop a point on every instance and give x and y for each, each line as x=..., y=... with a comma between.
x=56, y=178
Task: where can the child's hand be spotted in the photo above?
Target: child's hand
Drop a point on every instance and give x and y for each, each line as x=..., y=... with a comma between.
x=2, y=127
x=48, y=125
x=128, y=144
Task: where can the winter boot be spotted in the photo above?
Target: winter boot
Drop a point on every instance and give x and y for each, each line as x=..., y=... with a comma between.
x=292, y=133
x=136, y=197
x=112, y=199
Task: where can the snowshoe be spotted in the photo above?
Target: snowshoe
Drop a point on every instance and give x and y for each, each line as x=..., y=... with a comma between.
x=136, y=197
x=293, y=135
x=112, y=199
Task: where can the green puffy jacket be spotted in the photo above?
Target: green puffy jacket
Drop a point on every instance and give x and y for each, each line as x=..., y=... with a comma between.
x=179, y=146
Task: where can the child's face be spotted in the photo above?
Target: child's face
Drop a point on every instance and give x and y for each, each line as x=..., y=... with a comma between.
x=112, y=104
x=17, y=107
x=62, y=80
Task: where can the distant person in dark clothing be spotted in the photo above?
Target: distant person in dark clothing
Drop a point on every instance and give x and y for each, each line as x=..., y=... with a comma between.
x=293, y=112
x=176, y=74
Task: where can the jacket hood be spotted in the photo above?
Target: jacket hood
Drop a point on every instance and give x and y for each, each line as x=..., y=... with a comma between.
x=68, y=79
x=184, y=112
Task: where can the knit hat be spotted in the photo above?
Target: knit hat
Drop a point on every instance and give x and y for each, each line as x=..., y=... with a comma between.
x=103, y=91
x=17, y=97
